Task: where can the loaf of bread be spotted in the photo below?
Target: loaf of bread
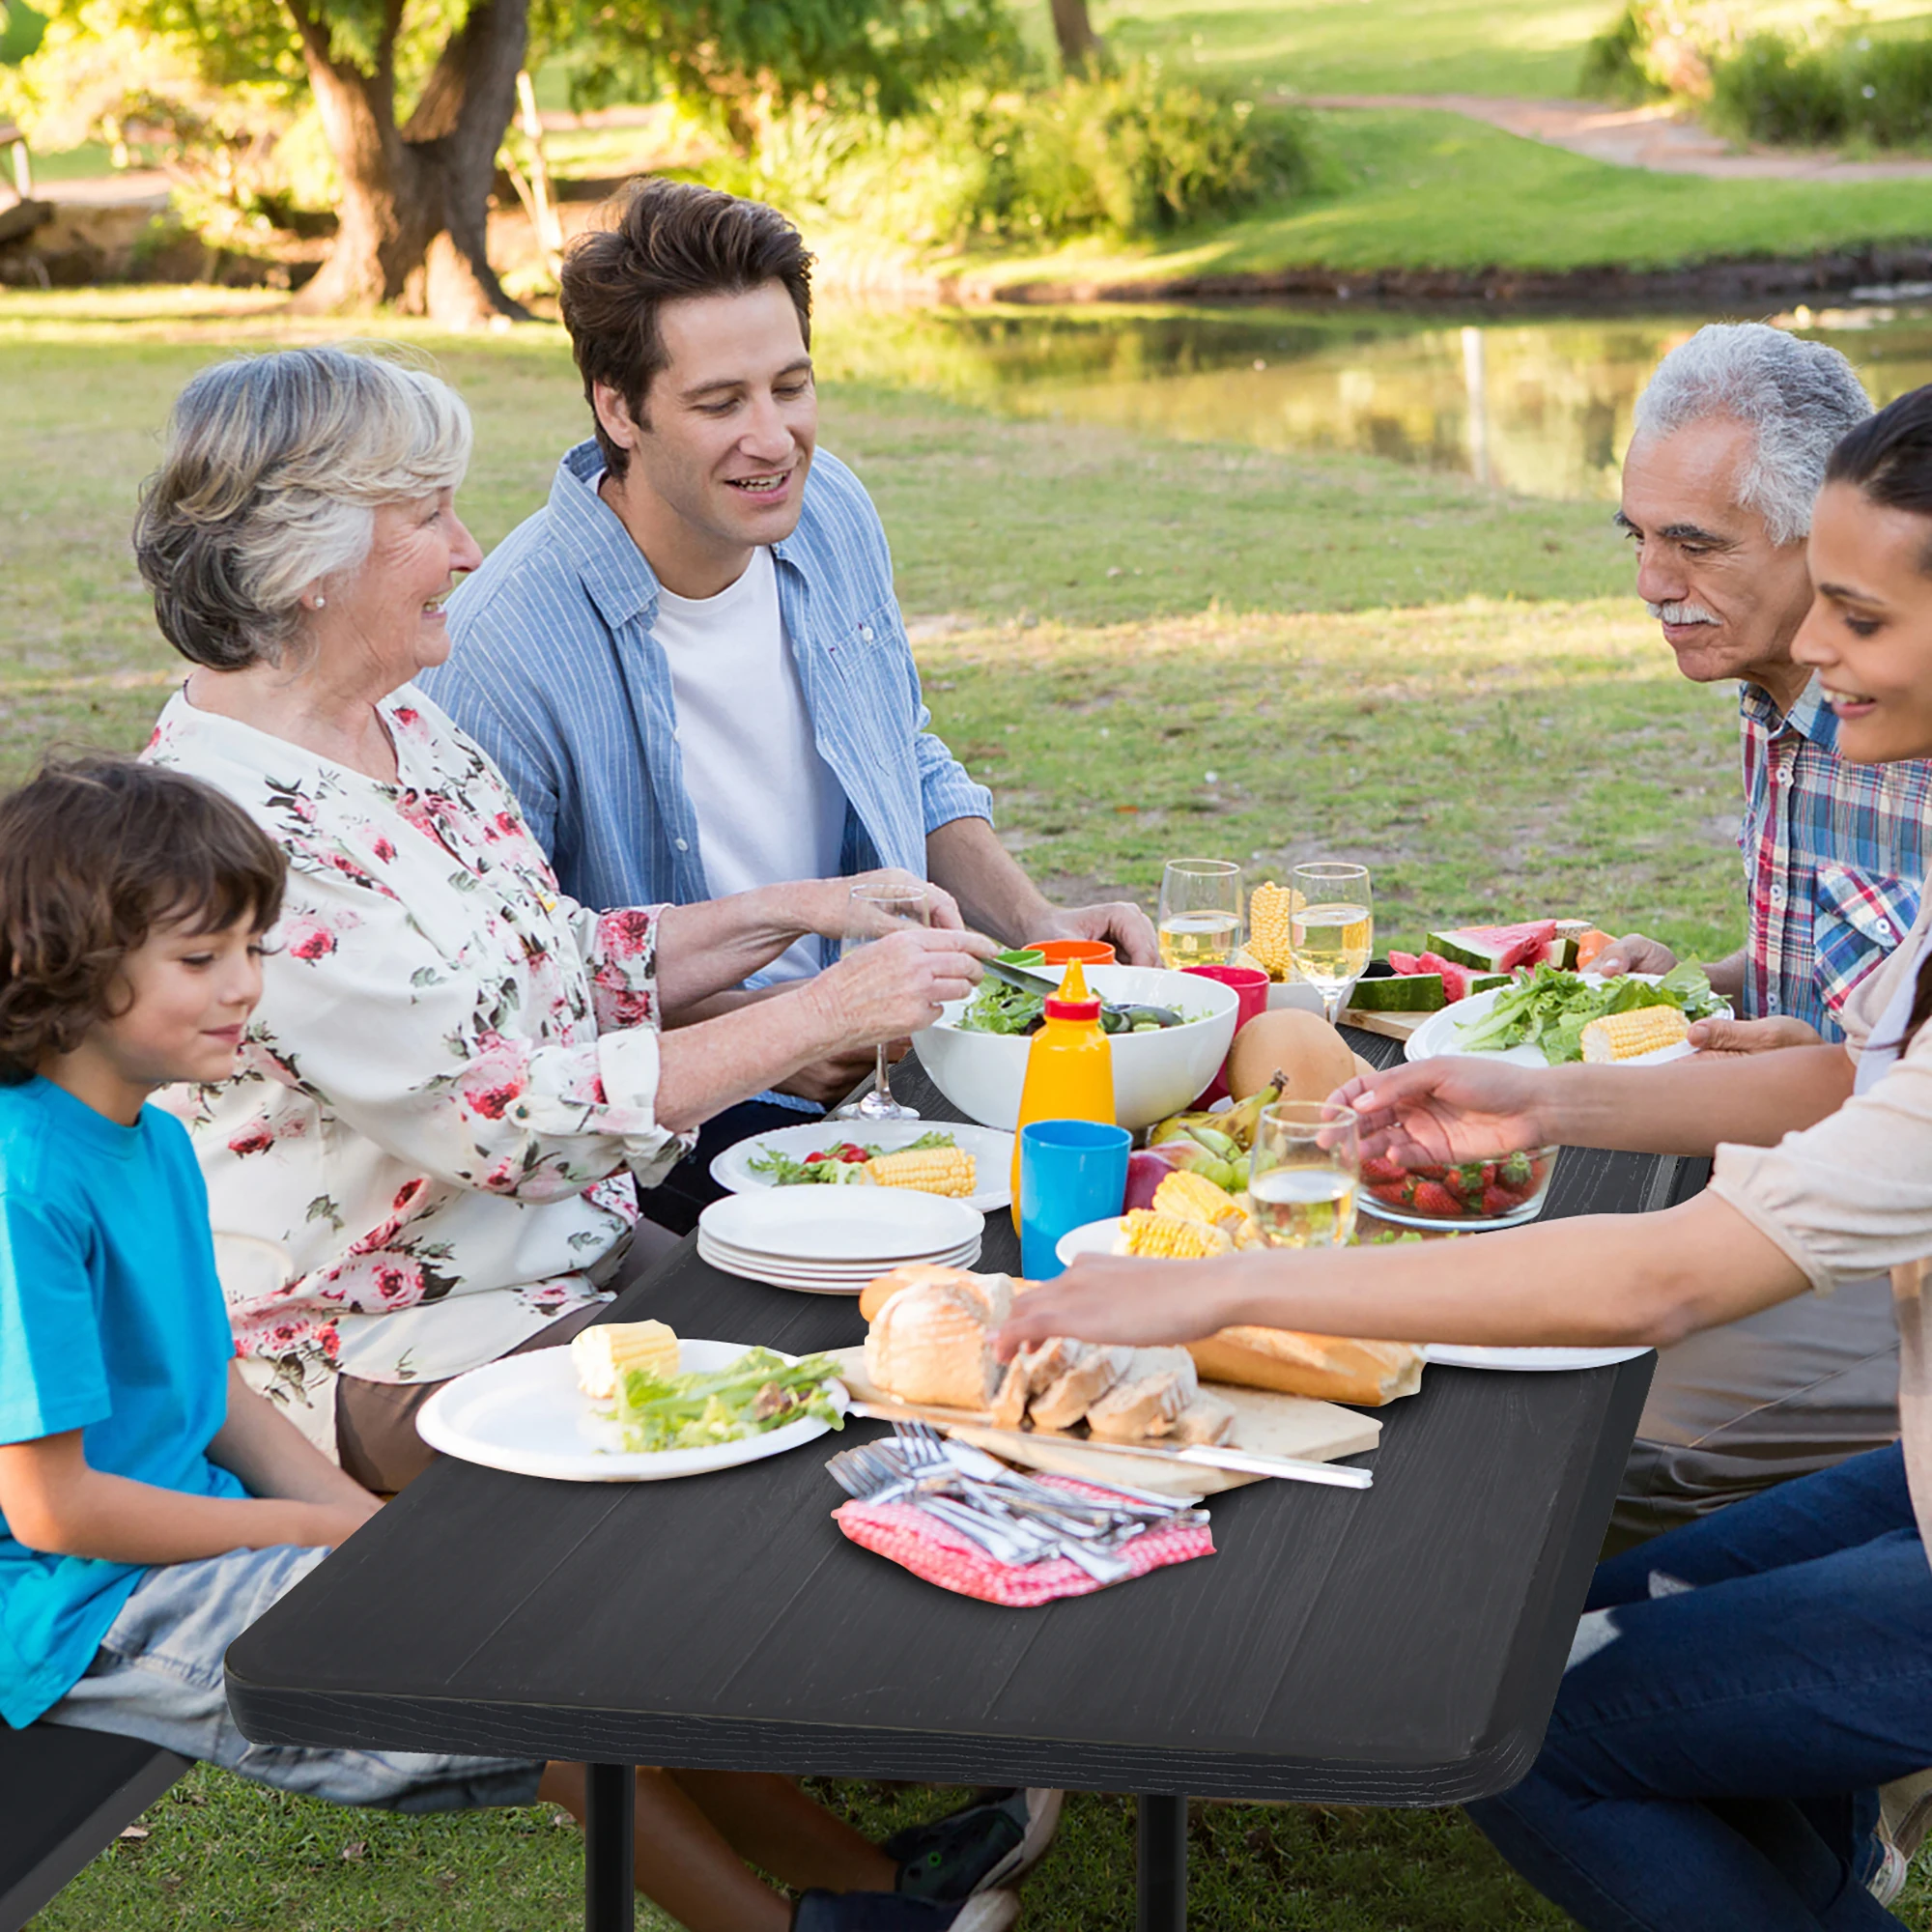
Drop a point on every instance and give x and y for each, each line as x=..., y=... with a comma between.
x=1329, y=1367
x=931, y=1341
x=881, y=1289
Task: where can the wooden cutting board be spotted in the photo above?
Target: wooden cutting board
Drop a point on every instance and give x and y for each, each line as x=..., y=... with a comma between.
x=1395, y=1026
x=1264, y=1422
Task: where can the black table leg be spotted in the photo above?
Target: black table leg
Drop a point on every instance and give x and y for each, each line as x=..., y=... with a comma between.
x=609, y=1809
x=1160, y=1855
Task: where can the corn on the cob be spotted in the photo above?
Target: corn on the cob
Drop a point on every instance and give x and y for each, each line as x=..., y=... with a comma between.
x=1624, y=1036
x=1269, y=910
x=949, y=1171
x=1143, y=1231
x=1193, y=1197
x=602, y=1354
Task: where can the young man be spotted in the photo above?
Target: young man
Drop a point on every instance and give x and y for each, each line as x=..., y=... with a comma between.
x=1729, y=449
x=691, y=663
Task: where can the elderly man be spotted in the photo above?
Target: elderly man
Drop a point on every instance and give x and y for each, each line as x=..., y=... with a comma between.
x=1729, y=446
x=691, y=663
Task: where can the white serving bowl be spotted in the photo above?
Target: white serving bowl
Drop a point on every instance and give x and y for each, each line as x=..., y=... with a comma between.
x=1155, y=1074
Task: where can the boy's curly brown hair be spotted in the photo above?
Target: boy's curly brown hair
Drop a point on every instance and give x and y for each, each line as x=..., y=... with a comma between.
x=95, y=852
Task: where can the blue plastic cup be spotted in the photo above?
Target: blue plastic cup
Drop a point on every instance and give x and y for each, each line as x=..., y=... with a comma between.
x=1071, y=1172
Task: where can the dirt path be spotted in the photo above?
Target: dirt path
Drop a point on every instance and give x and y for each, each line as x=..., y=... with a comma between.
x=1660, y=137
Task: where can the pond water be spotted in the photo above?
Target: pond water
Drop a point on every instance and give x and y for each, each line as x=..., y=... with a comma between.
x=1540, y=407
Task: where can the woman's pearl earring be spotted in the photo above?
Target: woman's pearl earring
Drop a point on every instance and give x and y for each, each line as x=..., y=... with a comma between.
x=318, y=603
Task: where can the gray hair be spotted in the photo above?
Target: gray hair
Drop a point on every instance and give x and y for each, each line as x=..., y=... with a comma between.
x=1797, y=397
x=272, y=471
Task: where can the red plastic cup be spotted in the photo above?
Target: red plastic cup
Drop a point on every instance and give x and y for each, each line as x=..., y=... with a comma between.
x=1089, y=951
x=1251, y=990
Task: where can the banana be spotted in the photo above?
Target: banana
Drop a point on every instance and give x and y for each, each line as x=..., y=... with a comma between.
x=1242, y=1122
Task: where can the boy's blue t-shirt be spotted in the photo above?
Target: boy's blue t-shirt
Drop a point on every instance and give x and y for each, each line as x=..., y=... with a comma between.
x=112, y=1322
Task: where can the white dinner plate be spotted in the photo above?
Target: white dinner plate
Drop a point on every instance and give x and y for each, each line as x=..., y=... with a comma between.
x=527, y=1414
x=1532, y=1362
x=1441, y=1034
x=840, y=1224
x=992, y=1152
x=774, y=1275
x=724, y=1253
x=1096, y=1237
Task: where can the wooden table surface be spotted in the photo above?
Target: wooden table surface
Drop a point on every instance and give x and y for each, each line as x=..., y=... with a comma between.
x=1395, y=1646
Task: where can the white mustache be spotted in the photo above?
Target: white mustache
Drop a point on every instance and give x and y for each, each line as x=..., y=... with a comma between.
x=1683, y=613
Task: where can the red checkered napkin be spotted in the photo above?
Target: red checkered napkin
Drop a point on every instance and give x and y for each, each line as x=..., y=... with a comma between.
x=937, y=1552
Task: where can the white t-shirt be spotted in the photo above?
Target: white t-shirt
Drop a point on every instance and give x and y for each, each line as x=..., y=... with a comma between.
x=767, y=806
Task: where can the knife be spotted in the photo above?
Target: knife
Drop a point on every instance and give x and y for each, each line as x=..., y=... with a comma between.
x=1024, y=979
x=1206, y=1455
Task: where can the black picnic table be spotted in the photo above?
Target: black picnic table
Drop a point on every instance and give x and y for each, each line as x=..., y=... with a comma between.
x=1398, y=1645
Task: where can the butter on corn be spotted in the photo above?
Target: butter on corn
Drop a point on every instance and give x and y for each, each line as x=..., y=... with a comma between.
x=604, y=1353
x=1271, y=908
x=1624, y=1036
x=949, y=1170
x=1168, y=1236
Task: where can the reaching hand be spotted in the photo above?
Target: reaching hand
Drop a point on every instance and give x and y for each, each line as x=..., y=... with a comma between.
x=895, y=985
x=1633, y=953
x=1108, y=1298
x=1454, y=1108
x=1766, y=1035
x=1120, y=923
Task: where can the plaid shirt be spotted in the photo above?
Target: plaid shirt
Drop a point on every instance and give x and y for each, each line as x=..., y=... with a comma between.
x=1834, y=855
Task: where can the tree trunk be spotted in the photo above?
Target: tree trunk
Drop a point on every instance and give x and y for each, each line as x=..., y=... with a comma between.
x=413, y=214
x=1078, y=42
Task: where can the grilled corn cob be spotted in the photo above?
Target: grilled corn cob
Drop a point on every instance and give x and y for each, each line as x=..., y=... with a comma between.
x=602, y=1354
x=1193, y=1197
x=1269, y=908
x=1624, y=1036
x=1143, y=1231
x=949, y=1171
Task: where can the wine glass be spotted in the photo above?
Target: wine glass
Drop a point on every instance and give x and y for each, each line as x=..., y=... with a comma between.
x=1304, y=1174
x=1199, y=912
x=1332, y=927
x=875, y=911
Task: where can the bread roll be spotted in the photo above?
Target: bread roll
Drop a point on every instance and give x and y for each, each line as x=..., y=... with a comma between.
x=995, y=1289
x=1145, y=1405
x=932, y=1340
x=1329, y=1367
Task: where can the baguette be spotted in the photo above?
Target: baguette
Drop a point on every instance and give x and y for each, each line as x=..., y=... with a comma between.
x=1329, y=1367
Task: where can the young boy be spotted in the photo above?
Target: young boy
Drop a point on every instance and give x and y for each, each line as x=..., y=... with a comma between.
x=152, y=1505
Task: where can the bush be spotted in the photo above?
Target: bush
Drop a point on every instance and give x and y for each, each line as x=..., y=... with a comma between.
x=1132, y=155
x=1777, y=89
x=1654, y=49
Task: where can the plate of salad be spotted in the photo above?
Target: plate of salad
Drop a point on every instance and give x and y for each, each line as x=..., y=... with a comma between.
x=727, y=1403
x=838, y=1154
x=1537, y=1020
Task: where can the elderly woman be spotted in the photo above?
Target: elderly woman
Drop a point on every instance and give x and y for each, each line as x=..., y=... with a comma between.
x=455, y=1079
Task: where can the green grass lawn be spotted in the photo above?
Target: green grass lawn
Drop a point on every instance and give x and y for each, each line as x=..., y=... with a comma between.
x=1148, y=649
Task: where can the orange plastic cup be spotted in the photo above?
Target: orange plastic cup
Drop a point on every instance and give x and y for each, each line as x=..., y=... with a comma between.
x=1089, y=951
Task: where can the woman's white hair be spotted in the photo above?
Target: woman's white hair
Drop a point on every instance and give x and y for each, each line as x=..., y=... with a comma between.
x=272, y=471
x=1797, y=398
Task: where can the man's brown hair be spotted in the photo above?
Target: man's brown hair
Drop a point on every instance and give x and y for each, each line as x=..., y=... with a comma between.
x=671, y=240
x=95, y=852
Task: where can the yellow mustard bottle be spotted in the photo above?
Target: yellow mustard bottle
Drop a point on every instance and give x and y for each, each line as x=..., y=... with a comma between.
x=1069, y=1073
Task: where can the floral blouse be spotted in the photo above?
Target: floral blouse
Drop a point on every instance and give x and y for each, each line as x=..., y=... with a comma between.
x=447, y=1089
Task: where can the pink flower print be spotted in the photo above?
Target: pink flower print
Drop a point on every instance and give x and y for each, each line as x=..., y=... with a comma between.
x=410, y=719
x=384, y=850
x=383, y=1234
x=378, y=1284
x=349, y=868
x=628, y=933
x=257, y=1137
x=153, y=739
x=502, y=1178
x=494, y=1080
x=626, y=1007
x=308, y=941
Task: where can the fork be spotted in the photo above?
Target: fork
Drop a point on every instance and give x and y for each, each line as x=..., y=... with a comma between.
x=1139, y=1504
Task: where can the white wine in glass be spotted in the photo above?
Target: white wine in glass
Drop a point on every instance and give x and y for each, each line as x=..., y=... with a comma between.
x=1199, y=919
x=878, y=910
x=1304, y=1174
x=1331, y=930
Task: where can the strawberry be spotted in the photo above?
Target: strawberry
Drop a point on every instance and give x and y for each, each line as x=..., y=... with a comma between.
x=1430, y=1197
x=1500, y=1201
x=1377, y=1167
x=1395, y=1192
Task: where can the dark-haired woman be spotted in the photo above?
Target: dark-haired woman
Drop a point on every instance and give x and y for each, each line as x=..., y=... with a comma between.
x=1738, y=1687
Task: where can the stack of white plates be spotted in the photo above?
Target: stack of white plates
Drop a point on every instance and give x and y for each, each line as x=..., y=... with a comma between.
x=832, y=1240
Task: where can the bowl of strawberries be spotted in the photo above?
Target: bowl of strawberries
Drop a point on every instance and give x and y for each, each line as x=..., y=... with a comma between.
x=1502, y=1191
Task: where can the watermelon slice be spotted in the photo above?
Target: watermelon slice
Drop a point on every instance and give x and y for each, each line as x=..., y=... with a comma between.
x=1455, y=978
x=1404, y=962
x=1496, y=949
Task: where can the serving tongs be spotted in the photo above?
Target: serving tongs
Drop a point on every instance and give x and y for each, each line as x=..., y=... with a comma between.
x=1114, y=1017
